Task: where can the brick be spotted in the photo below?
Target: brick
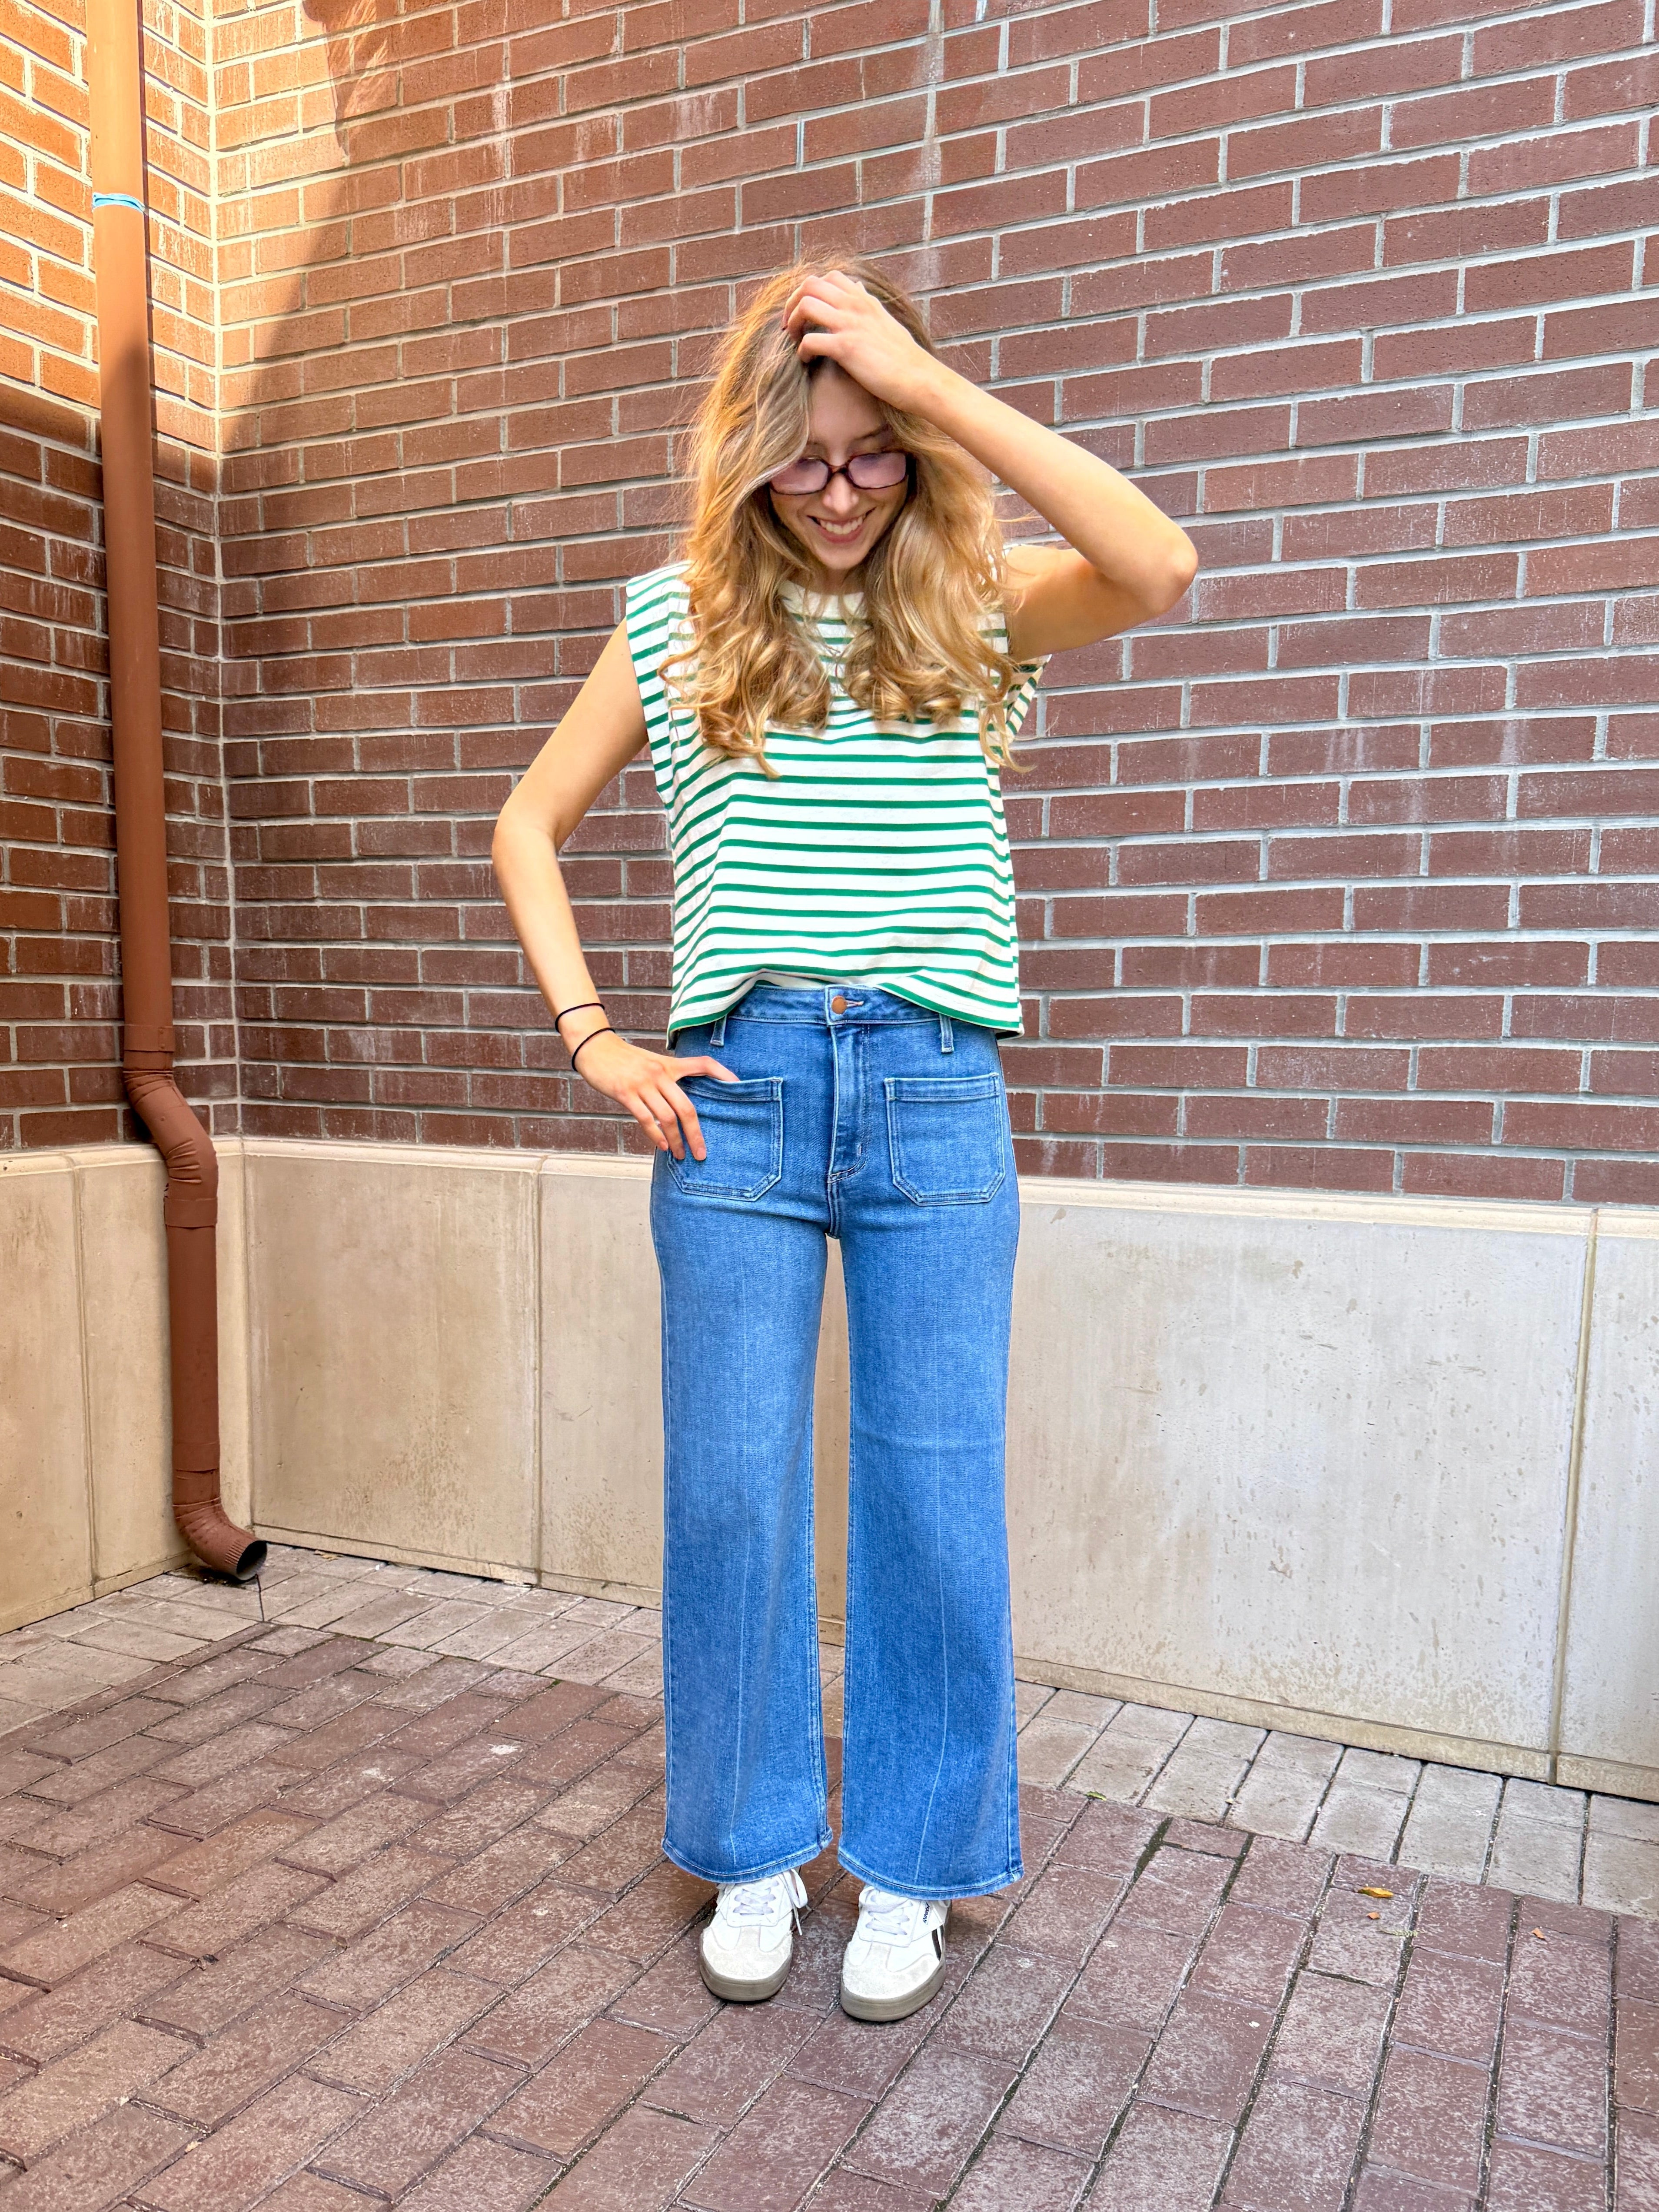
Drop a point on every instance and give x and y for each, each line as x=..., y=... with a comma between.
x=390, y=2041
x=1431, y=2116
x=1552, y=2088
x=778, y=2149
x=1170, y=2159
x=642, y=2163
x=74, y=2090
x=924, y=2130
x=583, y=2088
x=1012, y=2176
x=97, y=2167
x=261, y=2147
x=54, y=1953
x=1062, y=1912
x=214, y=1992
x=511, y=1946
x=1332, y=2036
x=729, y=2062
x=482, y=2175
x=1078, y=2083
x=1007, y=2003
x=206, y=2086
x=441, y=2102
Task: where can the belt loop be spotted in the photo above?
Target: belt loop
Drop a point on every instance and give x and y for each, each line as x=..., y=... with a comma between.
x=717, y=1035
x=946, y=1040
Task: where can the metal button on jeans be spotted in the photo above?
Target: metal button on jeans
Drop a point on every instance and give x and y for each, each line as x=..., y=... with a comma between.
x=838, y=1005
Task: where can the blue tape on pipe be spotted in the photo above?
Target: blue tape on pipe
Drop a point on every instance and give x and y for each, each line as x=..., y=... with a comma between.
x=117, y=199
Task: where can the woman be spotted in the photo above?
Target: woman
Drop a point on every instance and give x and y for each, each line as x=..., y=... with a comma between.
x=830, y=683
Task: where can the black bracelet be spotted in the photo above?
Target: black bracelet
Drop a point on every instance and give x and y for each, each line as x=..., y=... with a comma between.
x=606, y=1031
x=581, y=1009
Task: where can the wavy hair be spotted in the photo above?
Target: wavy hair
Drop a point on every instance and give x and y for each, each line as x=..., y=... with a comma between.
x=922, y=654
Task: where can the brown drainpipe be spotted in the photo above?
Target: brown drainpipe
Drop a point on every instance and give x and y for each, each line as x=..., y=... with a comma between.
x=192, y=1206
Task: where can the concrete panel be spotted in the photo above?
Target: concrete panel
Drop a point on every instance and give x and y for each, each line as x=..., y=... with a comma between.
x=1610, y=1703
x=392, y=1325
x=123, y=1309
x=1311, y=1453
x=46, y=1550
x=601, y=1401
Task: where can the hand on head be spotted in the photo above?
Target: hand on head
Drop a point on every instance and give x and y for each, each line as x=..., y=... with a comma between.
x=831, y=317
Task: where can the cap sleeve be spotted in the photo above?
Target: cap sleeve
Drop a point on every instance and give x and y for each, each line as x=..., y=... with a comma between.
x=659, y=623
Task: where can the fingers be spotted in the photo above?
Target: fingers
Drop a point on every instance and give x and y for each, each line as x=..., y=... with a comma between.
x=831, y=297
x=664, y=1112
x=688, y=1125
x=812, y=313
x=666, y=1116
x=647, y=1122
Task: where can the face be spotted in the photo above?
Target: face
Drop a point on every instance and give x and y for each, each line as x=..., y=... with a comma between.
x=839, y=525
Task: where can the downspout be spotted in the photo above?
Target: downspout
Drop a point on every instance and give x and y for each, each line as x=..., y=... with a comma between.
x=190, y=1209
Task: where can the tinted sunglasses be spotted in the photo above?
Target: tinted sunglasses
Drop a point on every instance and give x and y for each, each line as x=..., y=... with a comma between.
x=868, y=471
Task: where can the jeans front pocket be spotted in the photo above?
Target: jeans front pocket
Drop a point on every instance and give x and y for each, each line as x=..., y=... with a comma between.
x=743, y=1131
x=948, y=1135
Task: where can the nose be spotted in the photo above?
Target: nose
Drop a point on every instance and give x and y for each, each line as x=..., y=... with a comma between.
x=839, y=497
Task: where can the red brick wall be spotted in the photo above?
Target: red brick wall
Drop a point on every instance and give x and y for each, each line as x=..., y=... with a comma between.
x=1340, y=880
x=59, y=1059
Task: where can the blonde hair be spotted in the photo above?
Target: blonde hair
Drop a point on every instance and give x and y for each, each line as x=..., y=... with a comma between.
x=922, y=654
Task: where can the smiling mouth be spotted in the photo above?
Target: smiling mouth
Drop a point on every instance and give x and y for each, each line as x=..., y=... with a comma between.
x=840, y=533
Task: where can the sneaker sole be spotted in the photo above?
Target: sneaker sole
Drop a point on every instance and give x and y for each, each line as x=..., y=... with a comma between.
x=736, y=1992
x=899, y=2008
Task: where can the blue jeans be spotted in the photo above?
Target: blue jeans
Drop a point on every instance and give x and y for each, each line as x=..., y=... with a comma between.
x=886, y=1126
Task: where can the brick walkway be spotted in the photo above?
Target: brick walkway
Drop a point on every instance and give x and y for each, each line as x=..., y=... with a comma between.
x=314, y=1922
x=1549, y=1842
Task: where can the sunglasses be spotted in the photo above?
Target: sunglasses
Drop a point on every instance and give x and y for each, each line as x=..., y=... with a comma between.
x=868, y=471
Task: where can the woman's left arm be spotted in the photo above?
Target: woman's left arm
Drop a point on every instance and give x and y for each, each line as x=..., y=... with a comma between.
x=1128, y=562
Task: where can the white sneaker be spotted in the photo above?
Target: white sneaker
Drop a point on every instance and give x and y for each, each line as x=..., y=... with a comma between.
x=746, y=1947
x=896, y=1959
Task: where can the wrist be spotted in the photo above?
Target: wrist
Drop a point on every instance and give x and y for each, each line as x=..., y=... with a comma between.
x=599, y=1030
x=933, y=389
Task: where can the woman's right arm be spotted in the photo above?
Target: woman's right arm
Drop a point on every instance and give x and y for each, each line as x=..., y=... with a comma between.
x=593, y=742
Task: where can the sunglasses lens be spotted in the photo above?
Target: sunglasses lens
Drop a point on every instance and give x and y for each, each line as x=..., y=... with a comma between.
x=877, y=471
x=800, y=477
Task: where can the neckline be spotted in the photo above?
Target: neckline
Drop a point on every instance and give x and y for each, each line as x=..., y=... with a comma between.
x=817, y=605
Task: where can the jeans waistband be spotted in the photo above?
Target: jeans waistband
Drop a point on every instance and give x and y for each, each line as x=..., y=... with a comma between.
x=776, y=1002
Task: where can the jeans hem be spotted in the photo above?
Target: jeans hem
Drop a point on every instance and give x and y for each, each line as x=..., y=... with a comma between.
x=782, y=1864
x=935, y=1895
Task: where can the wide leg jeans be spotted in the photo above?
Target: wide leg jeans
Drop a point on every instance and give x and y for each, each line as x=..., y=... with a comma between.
x=860, y=1116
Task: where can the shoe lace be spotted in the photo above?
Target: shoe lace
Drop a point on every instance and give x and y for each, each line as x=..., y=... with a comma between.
x=891, y=1919
x=746, y=1902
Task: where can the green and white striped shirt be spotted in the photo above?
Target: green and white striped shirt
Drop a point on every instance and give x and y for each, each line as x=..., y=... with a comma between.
x=878, y=851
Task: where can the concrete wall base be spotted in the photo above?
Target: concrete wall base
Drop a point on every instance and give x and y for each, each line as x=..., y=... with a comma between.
x=1379, y=1469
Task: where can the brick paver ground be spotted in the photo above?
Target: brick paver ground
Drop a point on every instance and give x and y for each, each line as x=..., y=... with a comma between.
x=1522, y=1836
x=317, y=1922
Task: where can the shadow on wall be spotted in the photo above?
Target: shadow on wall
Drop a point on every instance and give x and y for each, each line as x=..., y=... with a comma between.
x=364, y=48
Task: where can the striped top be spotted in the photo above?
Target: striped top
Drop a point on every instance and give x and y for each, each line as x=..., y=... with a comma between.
x=876, y=852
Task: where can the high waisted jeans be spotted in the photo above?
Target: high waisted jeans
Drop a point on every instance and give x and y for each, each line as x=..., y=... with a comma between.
x=857, y=1116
